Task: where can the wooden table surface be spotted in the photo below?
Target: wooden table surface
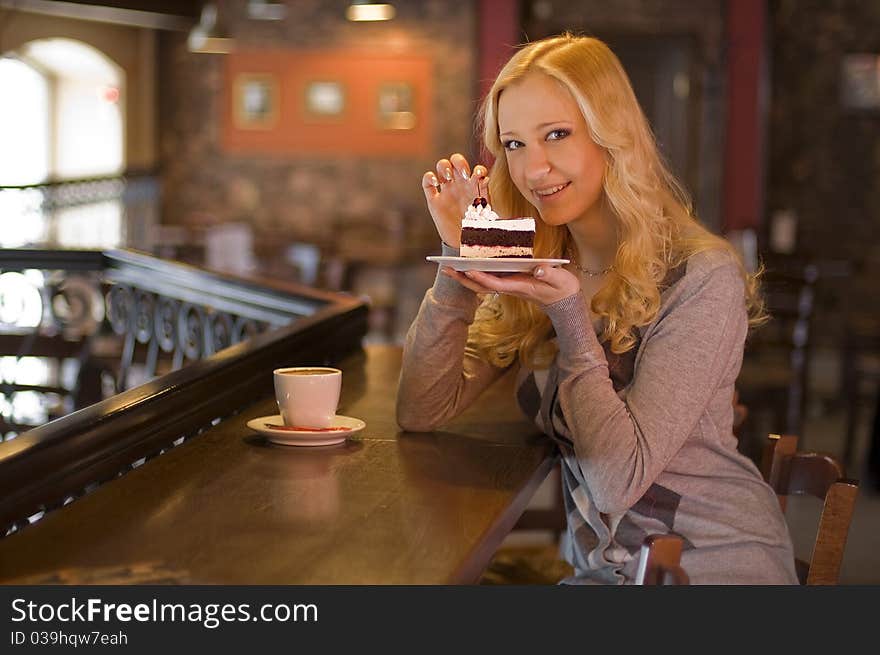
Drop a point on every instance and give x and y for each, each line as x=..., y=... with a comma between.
x=227, y=507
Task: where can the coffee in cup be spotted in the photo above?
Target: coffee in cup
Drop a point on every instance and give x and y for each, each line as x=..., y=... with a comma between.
x=307, y=396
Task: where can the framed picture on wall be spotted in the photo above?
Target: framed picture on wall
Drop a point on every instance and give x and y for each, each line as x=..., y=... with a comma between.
x=328, y=102
x=395, y=107
x=860, y=82
x=324, y=100
x=255, y=101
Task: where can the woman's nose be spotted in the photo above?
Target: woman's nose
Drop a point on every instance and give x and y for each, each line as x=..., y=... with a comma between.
x=537, y=164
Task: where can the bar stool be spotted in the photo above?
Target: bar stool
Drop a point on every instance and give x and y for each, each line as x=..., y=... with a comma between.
x=790, y=472
x=660, y=561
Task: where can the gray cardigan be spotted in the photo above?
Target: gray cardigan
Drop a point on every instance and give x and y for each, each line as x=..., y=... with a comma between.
x=646, y=437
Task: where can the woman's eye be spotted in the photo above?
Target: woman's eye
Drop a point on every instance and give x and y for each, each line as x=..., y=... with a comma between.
x=512, y=144
x=556, y=135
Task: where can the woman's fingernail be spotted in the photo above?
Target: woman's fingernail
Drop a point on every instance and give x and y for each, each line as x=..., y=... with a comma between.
x=448, y=175
x=435, y=181
x=464, y=175
x=539, y=272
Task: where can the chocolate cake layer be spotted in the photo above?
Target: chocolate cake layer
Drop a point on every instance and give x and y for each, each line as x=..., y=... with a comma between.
x=496, y=237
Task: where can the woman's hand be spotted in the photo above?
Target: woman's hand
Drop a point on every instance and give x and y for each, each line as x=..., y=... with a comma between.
x=449, y=191
x=544, y=286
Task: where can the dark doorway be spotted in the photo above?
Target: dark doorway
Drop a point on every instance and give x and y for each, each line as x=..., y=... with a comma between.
x=662, y=74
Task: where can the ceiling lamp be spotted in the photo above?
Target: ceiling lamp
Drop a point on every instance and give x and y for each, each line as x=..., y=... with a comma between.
x=262, y=10
x=364, y=11
x=208, y=35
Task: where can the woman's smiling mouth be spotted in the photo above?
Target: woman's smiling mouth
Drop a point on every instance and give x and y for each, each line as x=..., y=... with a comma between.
x=549, y=192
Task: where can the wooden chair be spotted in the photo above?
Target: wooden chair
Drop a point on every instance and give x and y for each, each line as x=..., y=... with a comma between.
x=774, y=376
x=660, y=561
x=547, y=519
x=790, y=472
x=860, y=363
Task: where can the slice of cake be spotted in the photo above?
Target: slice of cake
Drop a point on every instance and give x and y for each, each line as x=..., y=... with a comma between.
x=485, y=234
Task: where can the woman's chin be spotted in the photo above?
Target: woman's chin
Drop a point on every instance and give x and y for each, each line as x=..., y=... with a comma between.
x=555, y=219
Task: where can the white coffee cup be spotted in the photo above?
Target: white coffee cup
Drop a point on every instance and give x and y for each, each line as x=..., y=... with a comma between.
x=307, y=396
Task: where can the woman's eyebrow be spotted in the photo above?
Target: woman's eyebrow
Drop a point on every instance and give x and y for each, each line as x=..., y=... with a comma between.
x=549, y=123
x=540, y=126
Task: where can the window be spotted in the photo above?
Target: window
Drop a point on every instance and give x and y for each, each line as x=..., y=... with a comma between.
x=24, y=123
x=65, y=121
x=85, y=107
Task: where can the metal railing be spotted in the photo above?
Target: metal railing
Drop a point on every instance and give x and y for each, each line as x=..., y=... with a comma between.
x=99, y=212
x=83, y=325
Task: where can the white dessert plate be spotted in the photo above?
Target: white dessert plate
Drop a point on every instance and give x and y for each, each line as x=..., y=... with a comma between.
x=495, y=264
x=273, y=428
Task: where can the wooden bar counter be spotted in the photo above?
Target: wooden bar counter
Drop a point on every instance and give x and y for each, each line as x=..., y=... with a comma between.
x=226, y=507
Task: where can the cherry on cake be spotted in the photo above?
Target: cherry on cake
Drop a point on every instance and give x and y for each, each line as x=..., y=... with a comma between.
x=485, y=234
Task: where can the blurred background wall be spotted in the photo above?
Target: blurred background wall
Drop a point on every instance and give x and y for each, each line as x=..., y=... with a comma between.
x=301, y=195
x=823, y=159
x=133, y=49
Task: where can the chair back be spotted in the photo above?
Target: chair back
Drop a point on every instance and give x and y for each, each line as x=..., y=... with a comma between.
x=860, y=363
x=773, y=379
x=660, y=561
x=548, y=516
x=790, y=472
x=789, y=298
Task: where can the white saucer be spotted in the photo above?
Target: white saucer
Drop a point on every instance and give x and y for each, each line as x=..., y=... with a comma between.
x=495, y=264
x=341, y=428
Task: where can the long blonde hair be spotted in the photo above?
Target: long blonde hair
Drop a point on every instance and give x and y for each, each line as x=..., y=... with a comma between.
x=656, y=227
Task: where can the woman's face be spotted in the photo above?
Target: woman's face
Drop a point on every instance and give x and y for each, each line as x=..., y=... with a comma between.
x=552, y=159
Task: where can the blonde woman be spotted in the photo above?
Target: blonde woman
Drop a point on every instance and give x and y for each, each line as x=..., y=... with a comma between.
x=626, y=357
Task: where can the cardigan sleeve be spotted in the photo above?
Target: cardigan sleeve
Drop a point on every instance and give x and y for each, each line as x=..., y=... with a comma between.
x=441, y=374
x=623, y=445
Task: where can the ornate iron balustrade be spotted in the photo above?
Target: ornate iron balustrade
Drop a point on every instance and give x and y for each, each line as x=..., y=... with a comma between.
x=168, y=310
x=39, y=215
x=212, y=341
x=168, y=314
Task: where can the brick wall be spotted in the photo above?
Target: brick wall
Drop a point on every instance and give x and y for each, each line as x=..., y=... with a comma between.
x=300, y=197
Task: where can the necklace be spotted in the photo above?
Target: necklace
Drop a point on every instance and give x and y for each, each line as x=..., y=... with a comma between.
x=587, y=271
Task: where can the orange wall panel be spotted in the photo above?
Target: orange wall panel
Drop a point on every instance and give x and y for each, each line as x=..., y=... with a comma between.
x=357, y=131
